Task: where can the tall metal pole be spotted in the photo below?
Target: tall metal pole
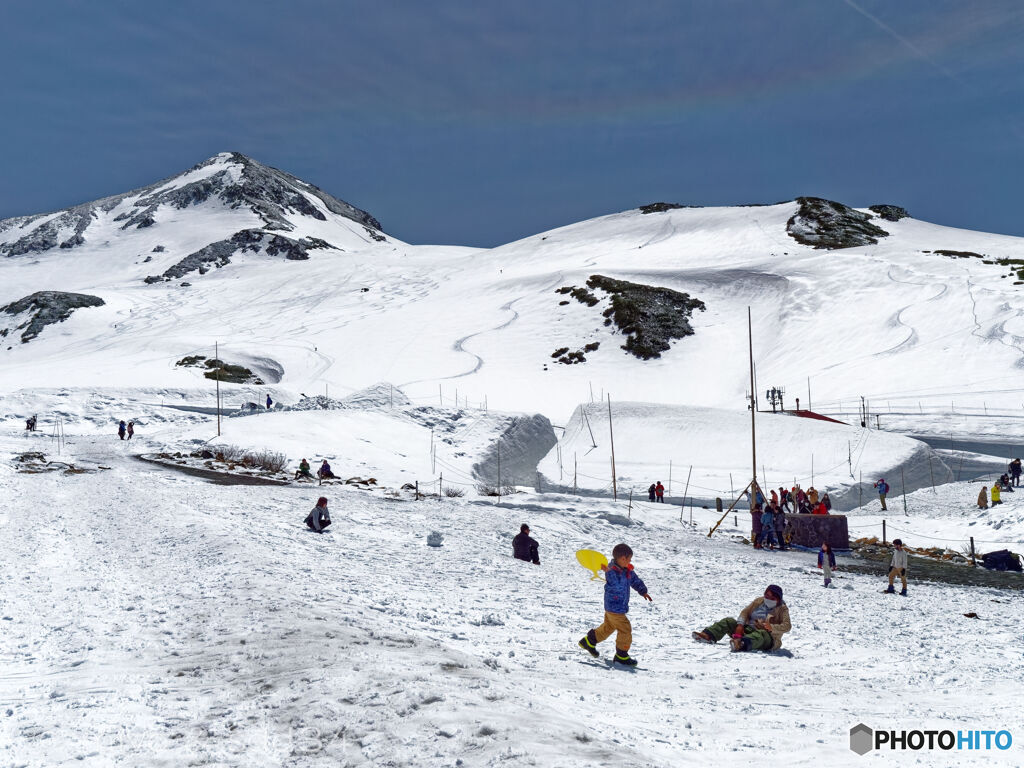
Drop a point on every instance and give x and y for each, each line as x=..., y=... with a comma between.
x=753, y=434
x=216, y=355
x=611, y=436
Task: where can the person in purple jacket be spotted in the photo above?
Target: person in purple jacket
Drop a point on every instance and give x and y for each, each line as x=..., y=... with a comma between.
x=618, y=579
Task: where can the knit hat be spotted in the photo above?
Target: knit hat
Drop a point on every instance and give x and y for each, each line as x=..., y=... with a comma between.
x=776, y=590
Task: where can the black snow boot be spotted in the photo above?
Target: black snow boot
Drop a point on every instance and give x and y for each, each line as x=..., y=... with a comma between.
x=623, y=658
x=589, y=644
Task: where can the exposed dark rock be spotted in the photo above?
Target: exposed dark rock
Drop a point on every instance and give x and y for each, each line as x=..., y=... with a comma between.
x=890, y=212
x=158, y=249
x=220, y=371
x=219, y=254
x=827, y=224
x=662, y=207
x=268, y=192
x=46, y=308
x=960, y=254
x=581, y=295
x=650, y=316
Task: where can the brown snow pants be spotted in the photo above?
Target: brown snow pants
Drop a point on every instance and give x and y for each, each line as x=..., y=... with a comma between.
x=616, y=622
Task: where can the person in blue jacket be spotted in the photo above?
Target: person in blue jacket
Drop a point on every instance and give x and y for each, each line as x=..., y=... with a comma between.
x=826, y=561
x=618, y=579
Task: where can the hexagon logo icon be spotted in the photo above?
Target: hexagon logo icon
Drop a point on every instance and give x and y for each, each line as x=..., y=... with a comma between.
x=860, y=739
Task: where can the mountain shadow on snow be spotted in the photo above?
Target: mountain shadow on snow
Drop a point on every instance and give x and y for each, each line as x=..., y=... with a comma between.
x=44, y=308
x=827, y=224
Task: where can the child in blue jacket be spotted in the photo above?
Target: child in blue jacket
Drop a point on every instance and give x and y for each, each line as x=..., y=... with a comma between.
x=618, y=578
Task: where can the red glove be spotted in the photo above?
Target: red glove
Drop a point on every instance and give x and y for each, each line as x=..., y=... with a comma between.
x=738, y=632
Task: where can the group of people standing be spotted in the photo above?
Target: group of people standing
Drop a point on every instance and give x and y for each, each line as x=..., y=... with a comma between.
x=1006, y=483
x=656, y=492
x=124, y=430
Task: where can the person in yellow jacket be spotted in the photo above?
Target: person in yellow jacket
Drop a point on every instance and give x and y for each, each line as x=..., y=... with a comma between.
x=995, y=494
x=760, y=626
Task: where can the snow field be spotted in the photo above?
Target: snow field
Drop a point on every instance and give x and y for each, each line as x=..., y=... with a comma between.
x=155, y=619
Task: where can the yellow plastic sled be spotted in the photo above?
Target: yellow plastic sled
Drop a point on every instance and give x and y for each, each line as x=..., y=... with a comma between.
x=592, y=561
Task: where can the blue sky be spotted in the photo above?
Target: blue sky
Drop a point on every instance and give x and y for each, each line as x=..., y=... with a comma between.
x=476, y=123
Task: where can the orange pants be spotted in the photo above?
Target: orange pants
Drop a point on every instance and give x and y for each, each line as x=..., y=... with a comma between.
x=616, y=622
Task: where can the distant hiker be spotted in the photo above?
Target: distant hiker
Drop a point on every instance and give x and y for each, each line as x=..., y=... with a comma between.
x=619, y=577
x=652, y=492
x=1015, y=471
x=826, y=561
x=996, y=498
x=827, y=501
x=983, y=497
x=659, y=491
x=768, y=529
x=270, y=403
x=1005, y=484
x=121, y=429
x=780, y=525
x=898, y=567
x=524, y=547
x=774, y=497
x=758, y=497
x=30, y=424
x=883, y=488
x=319, y=518
x=760, y=627
x=324, y=473
x=303, y=470
x=130, y=429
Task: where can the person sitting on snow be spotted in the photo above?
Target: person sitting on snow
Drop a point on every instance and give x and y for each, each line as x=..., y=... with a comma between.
x=303, y=470
x=324, y=473
x=760, y=627
x=524, y=547
x=319, y=518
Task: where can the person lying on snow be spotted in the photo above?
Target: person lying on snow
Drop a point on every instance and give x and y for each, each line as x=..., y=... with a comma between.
x=760, y=627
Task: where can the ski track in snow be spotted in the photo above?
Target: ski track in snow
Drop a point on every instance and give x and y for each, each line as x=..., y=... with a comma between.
x=156, y=619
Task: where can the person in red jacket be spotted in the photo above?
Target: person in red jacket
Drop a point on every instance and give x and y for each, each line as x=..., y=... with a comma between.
x=820, y=509
x=659, y=492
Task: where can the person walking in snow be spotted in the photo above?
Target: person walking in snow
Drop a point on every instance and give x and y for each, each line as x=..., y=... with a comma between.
x=883, y=488
x=319, y=518
x=659, y=492
x=121, y=429
x=652, y=492
x=780, y=525
x=826, y=561
x=768, y=529
x=996, y=497
x=983, y=498
x=898, y=567
x=760, y=626
x=1015, y=470
x=619, y=578
x=784, y=500
x=130, y=429
x=524, y=547
x=270, y=403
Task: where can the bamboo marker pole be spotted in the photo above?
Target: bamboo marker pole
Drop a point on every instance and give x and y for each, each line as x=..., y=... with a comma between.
x=611, y=437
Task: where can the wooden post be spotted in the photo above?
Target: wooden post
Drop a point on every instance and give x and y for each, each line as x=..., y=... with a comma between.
x=715, y=527
x=903, y=487
x=215, y=355
x=860, y=490
x=498, y=449
x=574, y=473
x=629, y=509
x=753, y=411
x=685, y=491
x=930, y=473
x=611, y=437
x=883, y=531
x=417, y=490
x=440, y=486
x=973, y=561
x=670, y=477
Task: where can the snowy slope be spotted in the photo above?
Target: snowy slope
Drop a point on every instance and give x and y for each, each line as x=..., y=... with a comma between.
x=153, y=619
